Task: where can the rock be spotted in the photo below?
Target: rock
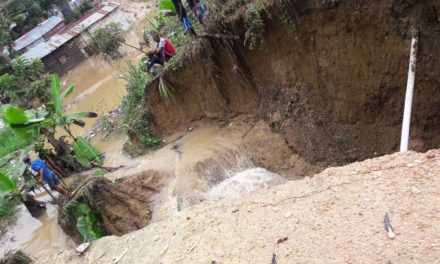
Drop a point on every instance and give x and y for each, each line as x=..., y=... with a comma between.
x=82, y=248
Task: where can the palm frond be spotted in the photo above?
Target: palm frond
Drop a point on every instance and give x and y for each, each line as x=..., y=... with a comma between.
x=165, y=91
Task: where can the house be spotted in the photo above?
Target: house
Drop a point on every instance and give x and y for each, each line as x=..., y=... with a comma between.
x=70, y=45
x=38, y=34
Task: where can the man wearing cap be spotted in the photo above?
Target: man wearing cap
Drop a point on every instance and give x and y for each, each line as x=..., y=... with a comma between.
x=44, y=173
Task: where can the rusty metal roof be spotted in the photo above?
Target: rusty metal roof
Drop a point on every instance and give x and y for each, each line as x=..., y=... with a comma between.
x=37, y=32
x=71, y=31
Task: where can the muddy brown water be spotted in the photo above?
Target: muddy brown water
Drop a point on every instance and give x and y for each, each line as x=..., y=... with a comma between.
x=35, y=234
x=98, y=89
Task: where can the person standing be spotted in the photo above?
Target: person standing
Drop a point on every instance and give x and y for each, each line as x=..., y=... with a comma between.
x=181, y=12
x=45, y=174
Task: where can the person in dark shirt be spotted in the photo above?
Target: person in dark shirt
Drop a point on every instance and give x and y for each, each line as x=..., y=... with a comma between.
x=45, y=174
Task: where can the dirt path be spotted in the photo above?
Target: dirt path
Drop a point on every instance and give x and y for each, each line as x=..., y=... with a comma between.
x=334, y=217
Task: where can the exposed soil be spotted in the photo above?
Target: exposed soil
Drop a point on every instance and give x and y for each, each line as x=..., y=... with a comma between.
x=123, y=207
x=334, y=89
x=336, y=216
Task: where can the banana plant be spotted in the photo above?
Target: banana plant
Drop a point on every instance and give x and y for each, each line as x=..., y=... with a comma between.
x=8, y=186
x=28, y=123
x=61, y=120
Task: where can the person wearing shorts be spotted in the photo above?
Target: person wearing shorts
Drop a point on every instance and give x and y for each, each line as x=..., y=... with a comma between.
x=45, y=174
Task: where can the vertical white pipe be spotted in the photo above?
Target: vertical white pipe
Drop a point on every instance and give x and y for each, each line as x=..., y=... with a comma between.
x=409, y=95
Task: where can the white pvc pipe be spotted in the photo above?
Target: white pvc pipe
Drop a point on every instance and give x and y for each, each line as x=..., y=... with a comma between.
x=409, y=95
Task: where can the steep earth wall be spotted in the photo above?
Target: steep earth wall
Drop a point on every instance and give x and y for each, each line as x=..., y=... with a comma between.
x=334, y=88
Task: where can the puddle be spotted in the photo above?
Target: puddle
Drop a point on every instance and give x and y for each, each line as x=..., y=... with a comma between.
x=35, y=234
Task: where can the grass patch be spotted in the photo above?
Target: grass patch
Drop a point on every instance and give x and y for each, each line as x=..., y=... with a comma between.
x=136, y=80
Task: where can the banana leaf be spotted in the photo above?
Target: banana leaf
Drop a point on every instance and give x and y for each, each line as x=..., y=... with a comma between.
x=56, y=98
x=6, y=184
x=167, y=5
x=87, y=227
x=85, y=153
x=5, y=160
x=75, y=118
x=67, y=92
x=15, y=116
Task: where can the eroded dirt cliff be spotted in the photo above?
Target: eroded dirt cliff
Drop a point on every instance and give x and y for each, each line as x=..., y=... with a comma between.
x=333, y=89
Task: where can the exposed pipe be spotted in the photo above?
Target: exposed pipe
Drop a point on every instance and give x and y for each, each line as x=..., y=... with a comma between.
x=409, y=94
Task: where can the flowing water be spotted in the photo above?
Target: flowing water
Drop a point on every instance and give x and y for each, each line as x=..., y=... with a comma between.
x=205, y=164
x=35, y=234
x=98, y=89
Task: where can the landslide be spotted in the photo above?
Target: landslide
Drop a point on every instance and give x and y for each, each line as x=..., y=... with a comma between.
x=331, y=82
x=336, y=216
x=122, y=206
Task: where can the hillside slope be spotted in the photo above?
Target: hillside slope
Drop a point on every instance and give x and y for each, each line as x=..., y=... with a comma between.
x=334, y=217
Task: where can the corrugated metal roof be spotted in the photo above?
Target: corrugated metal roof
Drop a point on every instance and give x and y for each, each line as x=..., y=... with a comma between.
x=70, y=31
x=36, y=33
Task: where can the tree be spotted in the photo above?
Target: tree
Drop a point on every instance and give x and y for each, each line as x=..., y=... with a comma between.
x=24, y=14
x=25, y=81
x=108, y=39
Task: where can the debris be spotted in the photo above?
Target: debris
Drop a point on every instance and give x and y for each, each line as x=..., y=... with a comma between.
x=164, y=250
x=192, y=248
x=116, y=260
x=281, y=240
x=236, y=210
x=274, y=259
x=81, y=248
x=415, y=189
x=388, y=227
x=289, y=214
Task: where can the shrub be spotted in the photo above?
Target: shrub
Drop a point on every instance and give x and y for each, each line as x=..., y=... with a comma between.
x=108, y=39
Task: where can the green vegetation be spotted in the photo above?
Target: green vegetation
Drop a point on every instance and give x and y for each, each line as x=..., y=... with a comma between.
x=18, y=257
x=22, y=16
x=287, y=17
x=87, y=223
x=12, y=142
x=27, y=126
x=108, y=39
x=136, y=80
x=25, y=81
x=79, y=11
x=27, y=123
x=253, y=20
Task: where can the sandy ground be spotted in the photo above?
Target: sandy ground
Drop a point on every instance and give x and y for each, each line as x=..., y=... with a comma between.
x=334, y=217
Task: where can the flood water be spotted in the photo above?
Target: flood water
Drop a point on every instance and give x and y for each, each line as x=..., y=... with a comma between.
x=98, y=89
x=35, y=234
x=205, y=164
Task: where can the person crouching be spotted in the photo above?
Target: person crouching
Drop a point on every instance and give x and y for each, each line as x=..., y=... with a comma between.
x=162, y=52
